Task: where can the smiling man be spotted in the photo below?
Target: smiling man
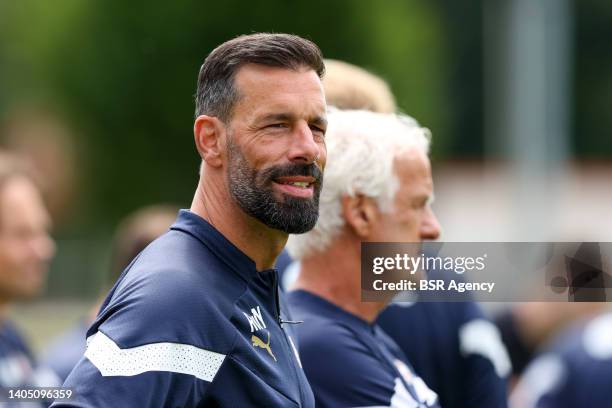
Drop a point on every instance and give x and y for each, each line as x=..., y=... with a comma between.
x=196, y=319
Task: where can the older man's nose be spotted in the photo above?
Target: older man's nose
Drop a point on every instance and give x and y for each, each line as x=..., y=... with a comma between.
x=430, y=227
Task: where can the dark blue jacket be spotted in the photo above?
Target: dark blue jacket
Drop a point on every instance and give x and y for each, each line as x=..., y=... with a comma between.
x=351, y=363
x=18, y=369
x=455, y=349
x=575, y=371
x=452, y=346
x=191, y=323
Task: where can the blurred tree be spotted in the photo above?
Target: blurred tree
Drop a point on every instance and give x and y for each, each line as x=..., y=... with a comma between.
x=593, y=79
x=124, y=75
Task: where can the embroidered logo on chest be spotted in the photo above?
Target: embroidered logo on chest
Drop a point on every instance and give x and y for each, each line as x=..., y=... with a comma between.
x=255, y=319
x=257, y=323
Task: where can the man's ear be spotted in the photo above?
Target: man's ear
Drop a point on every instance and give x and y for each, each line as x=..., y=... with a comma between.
x=360, y=213
x=208, y=132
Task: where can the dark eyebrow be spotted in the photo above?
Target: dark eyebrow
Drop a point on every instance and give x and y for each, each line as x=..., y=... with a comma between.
x=288, y=117
x=319, y=121
x=281, y=117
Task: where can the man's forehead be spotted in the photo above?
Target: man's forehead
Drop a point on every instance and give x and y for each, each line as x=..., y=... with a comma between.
x=279, y=85
x=413, y=168
x=252, y=73
x=412, y=161
x=21, y=205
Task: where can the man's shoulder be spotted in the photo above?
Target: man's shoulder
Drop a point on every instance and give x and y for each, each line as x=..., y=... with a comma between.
x=576, y=368
x=332, y=350
x=350, y=356
x=173, y=287
x=316, y=325
x=587, y=346
x=11, y=339
x=178, y=270
x=318, y=335
x=321, y=334
x=178, y=251
x=448, y=316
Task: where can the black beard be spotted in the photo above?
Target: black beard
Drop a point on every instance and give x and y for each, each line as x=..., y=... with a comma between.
x=253, y=191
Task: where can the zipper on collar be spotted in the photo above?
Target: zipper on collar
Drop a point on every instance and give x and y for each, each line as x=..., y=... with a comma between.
x=280, y=320
x=276, y=297
x=288, y=342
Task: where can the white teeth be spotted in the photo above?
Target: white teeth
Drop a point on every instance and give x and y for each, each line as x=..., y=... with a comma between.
x=302, y=184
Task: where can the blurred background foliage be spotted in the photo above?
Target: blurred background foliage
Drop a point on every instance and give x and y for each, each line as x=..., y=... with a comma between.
x=120, y=78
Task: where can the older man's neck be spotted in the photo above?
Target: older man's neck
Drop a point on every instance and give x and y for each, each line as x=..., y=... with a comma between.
x=335, y=275
x=257, y=241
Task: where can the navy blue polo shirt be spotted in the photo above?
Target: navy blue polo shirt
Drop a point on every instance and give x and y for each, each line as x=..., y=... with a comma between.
x=18, y=368
x=191, y=322
x=574, y=371
x=16, y=360
x=455, y=349
x=351, y=363
x=453, y=346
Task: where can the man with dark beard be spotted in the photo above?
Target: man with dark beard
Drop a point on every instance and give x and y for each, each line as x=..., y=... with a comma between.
x=253, y=192
x=196, y=319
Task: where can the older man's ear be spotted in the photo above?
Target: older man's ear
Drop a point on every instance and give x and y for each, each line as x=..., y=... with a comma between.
x=209, y=135
x=360, y=214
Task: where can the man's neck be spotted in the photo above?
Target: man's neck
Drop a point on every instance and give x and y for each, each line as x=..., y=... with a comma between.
x=259, y=242
x=335, y=275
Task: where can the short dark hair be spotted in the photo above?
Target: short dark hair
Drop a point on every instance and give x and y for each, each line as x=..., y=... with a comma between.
x=216, y=93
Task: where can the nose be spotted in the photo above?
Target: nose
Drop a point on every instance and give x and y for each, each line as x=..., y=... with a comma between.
x=430, y=227
x=304, y=148
x=43, y=247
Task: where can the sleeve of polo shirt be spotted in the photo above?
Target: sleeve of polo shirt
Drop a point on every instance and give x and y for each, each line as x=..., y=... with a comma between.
x=486, y=360
x=151, y=346
x=544, y=384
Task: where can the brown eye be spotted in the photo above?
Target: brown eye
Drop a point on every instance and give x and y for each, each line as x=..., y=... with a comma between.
x=420, y=204
x=317, y=131
x=277, y=126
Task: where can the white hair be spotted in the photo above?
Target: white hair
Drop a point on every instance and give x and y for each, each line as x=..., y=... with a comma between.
x=361, y=148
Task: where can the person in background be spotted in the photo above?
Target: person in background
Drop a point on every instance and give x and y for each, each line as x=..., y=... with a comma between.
x=43, y=138
x=453, y=347
x=134, y=233
x=528, y=328
x=348, y=86
x=573, y=370
x=378, y=187
x=26, y=248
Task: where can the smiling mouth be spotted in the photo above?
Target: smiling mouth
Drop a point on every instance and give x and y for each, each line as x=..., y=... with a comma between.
x=297, y=188
x=300, y=184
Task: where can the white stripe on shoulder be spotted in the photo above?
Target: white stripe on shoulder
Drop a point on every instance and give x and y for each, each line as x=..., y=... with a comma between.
x=111, y=360
x=401, y=398
x=597, y=338
x=542, y=376
x=480, y=336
